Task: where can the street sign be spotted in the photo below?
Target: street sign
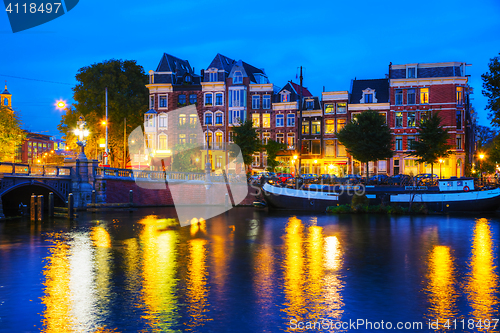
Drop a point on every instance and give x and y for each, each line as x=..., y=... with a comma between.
x=104, y=154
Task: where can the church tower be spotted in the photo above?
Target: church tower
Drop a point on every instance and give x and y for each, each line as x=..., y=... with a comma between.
x=6, y=97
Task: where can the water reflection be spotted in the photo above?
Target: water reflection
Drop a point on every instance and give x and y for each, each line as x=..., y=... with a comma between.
x=333, y=283
x=315, y=272
x=441, y=286
x=294, y=270
x=197, y=288
x=57, y=295
x=159, y=268
x=482, y=282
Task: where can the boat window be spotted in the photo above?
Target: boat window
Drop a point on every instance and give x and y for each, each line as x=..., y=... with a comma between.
x=459, y=183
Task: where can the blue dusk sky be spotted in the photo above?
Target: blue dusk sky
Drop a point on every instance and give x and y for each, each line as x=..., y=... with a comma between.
x=335, y=41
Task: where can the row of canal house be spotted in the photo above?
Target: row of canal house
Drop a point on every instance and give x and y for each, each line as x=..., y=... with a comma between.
x=228, y=91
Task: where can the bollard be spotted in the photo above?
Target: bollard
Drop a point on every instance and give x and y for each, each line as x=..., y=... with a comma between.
x=39, y=208
x=131, y=197
x=51, y=205
x=33, y=207
x=93, y=197
x=70, y=205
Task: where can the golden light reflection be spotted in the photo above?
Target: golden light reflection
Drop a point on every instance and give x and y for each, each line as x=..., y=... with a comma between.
x=315, y=272
x=57, y=294
x=333, y=284
x=294, y=270
x=219, y=253
x=100, y=237
x=159, y=268
x=482, y=283
x=441, y=287
x=263, y=277
x=197, y=288
x=198, y=227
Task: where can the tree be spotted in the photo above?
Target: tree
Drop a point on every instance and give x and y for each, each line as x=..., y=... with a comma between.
x=184, y=157
x=368, y=138
x=246, y=138
x=11, y=134
x=273, y=148
x=491, y=89
x=484, y=136
x=127, y=98
x=432, y=142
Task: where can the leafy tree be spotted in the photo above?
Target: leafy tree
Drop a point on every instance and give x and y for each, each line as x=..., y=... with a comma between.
x=484, y=136
x=127, y=98
x=246, y=138
x=272, y=149
x=432, y=142
x=368, y=138
x=184, y=157
x=11, y=135
x=491, y=89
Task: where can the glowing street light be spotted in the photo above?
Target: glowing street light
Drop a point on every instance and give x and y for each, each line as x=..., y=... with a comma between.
x=440, y=163
x=481, y=158
x=82, y=133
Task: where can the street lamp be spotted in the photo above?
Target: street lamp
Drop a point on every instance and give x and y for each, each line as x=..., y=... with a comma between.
x=481, y=157
x=82, y=133
x=440, y=163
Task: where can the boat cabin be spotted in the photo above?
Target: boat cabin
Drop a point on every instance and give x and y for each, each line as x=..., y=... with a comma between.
x=456, y=184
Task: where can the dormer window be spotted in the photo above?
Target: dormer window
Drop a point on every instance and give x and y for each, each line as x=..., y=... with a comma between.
x=238, y=77
x=187, y=79
x=213, y=77
x=285, y=96
x=411, y=72
x=309, y=105
x=369, y=96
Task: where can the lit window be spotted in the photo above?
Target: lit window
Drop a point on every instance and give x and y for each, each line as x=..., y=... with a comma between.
x=150, y=120
x=340, y=124
x=341, y=108
x=238, y=77
x=218, y=140
x=266, y=120
x=290, y=140
x=182, y=119
x=192, y=138
x=280, y=138
x=256, y=119
x=208, y=99
x=305, y=127
x=209, y=139
x=459, y=95
x=280, y=120
x=399, y=119
x=411, y=96
x=266, y=101
x=411, y=119
x=424, y=95
x=399, y=96
x=265, y=137
x=316, y=127
x=330, y=126
x=290, y=120
x=162, y=101
x=256, y=102
x=182, y=139
x=193, y=119
x=285, y=97
x=329, y=109
x=218, y=99
x=162, y=142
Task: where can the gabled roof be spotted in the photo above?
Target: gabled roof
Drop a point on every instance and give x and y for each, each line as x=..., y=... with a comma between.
x=151, y=111
x=222, y=62
x=296, y=87
x=381, y=87
x=169, y=63
x=251, y=70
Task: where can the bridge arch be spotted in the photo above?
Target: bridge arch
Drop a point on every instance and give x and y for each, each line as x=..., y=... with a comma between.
x=21, y=193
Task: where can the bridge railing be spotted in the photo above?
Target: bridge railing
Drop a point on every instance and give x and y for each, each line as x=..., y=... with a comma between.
x=34, y=170
x=103, y=172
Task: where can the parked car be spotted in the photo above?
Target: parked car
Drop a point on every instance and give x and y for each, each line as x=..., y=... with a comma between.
x=378, y=180
x=328, y=179
x=353, y=179
x=310, y=178
x=401, y=180
x=283, y=177
x=426, y=179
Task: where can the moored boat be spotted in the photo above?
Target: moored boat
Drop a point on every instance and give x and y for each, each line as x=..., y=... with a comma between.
x=451, y=195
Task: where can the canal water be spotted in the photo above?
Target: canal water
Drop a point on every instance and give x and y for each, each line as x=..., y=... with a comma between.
x=250, y=271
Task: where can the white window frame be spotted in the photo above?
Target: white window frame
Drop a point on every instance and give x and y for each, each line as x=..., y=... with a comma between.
x=222, y=99
x=282, y=116
x=166, y=101
x=408, y=72
x=256, y=115
x=288, y=117
x=266, y=116
x=212, y=77
x=215, y=139
x=205, y=118
x=237, y=77
x=281, y=136
x=150, y=120
x=265, y=137
x=215, y=118
x=205, y=99
x=266, y=102
x=255, y=102
x=398, y=147
x=289, y=135
x=163, y=121
x=160, y=136
x=151, y=101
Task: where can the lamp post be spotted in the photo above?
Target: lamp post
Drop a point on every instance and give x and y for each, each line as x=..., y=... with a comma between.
x=208, y=166
x=82, y=133
x=440, y=163
x=481, y=157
